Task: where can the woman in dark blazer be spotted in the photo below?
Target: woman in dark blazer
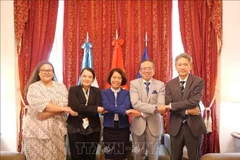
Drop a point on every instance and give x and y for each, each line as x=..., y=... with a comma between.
x=116, y=124
x=84, y=130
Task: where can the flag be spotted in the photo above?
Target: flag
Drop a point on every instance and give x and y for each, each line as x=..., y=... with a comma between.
x=145, y=56
x=87, y=60
x=117, y=60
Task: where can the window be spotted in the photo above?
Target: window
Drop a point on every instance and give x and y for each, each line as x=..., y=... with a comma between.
x=177, y=46
x=56, y=54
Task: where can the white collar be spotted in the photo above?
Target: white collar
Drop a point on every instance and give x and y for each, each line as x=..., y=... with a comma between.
x=185, y=80
x=86, y=91
x=116, y=90
x=150, y=81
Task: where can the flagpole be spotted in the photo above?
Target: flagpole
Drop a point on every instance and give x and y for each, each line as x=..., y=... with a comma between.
x=146, y=39
x=87, y=39
x=145, y=53
x=87, y=60
x=116, y=34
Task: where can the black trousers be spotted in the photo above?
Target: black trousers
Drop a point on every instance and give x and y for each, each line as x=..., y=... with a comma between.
x=185, y=138
x=83, y=147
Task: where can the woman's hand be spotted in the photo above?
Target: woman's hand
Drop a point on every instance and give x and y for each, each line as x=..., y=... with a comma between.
x=101, y=110
x=70, y=111
x=45, y=115
x=133, y=113
x=73, y=113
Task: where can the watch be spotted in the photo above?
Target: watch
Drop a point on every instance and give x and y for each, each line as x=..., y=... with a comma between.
x=155, y=110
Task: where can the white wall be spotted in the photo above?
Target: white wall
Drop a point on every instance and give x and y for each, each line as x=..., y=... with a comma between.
x=230, y=76
x=8, y=79
x=229, y=102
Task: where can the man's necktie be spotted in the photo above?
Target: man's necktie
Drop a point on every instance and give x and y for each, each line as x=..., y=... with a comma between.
x=147, y=86
x=182, y=86
x=147, y=90
x=85, y=120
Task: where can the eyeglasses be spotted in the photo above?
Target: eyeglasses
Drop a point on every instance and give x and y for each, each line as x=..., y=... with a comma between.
x=50, y=71
x=147, y=68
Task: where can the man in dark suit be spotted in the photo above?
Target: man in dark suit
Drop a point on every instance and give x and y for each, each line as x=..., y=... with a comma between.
x=182, y=97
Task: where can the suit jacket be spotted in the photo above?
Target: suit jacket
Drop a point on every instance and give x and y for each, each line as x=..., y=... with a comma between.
x=77, y=100
x=146, y=104
x=180, y=103
x=123, y=104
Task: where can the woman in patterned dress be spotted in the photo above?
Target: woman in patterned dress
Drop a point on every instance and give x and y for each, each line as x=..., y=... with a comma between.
x=45, y=123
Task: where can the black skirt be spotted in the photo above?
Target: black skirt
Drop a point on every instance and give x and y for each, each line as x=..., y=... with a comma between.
x=116, y=142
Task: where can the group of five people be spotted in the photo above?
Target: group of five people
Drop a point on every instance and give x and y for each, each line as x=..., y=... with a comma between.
x=54, y=112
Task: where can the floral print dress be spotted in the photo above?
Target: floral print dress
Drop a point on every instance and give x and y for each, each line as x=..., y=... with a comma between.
x=45, y=139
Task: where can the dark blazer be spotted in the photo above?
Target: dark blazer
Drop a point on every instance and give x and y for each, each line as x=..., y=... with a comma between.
x=123, y=104
x=192, y=95
x=77, y=100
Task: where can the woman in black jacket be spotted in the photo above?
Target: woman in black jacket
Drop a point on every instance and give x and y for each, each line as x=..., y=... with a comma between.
x=84, y=130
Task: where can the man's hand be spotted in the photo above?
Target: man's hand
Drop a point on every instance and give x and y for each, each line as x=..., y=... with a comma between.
x=162, y=109
x=195, y=111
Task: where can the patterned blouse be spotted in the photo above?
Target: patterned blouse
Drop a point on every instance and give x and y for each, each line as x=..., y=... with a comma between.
x=38, y=97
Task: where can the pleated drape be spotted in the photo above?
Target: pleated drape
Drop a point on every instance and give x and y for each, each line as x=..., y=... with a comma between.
x=201, y=32
x=35, y=25
x=132, y=19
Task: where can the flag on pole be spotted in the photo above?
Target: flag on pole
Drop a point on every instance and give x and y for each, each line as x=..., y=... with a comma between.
x=145, y=56
x=87, y=60
x=117, y=60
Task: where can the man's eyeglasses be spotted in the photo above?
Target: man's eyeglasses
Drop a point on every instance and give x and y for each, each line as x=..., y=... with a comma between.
x=46, y=71
x=147, y=68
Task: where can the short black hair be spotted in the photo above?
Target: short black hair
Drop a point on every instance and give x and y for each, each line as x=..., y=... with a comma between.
x=90, y=70
x=120, y=71
x=147, y=60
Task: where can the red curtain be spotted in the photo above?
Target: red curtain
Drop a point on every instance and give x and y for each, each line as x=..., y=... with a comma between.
x=132, y=19
x=201, y=32
x=35, y=24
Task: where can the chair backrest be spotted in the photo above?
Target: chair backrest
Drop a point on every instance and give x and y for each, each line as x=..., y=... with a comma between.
x=101, y=130
x=221, y=156
x=167, y=142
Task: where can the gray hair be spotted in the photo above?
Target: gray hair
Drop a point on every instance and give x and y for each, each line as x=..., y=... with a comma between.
x=184, y=55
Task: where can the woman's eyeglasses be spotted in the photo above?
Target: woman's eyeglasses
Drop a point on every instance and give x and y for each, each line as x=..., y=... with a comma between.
x=46, y=71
